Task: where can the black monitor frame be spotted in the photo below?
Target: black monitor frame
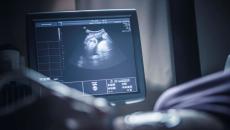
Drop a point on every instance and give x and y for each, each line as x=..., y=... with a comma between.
x=127, y=97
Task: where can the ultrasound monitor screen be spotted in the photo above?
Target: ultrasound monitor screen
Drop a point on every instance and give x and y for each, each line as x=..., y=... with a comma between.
x=95, y=55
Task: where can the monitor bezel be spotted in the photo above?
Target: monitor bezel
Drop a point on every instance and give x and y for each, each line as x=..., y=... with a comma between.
x=115, y=98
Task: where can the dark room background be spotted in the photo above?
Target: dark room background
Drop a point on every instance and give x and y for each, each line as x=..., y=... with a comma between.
x=213, y=30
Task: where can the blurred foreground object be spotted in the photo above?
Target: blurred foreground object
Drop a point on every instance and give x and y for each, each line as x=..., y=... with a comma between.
x=210, y=94
x=200, y=104
x=168, y=120
x=31, y=101
x=227, y=64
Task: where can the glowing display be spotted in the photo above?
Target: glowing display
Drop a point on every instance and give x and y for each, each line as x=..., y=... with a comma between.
x=93, y=56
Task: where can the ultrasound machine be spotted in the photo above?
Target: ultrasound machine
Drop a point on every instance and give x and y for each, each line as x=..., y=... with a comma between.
x=81, y=63
x=95, y=52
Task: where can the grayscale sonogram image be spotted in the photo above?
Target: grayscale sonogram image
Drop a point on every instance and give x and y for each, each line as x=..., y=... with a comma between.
x=93, y=56
x=99, y=51
x=96, y=51
x=98, y=47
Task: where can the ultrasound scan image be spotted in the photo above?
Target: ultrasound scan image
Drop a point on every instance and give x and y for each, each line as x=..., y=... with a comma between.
x=100, y=51
x=97, y=51
x=84, y=54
